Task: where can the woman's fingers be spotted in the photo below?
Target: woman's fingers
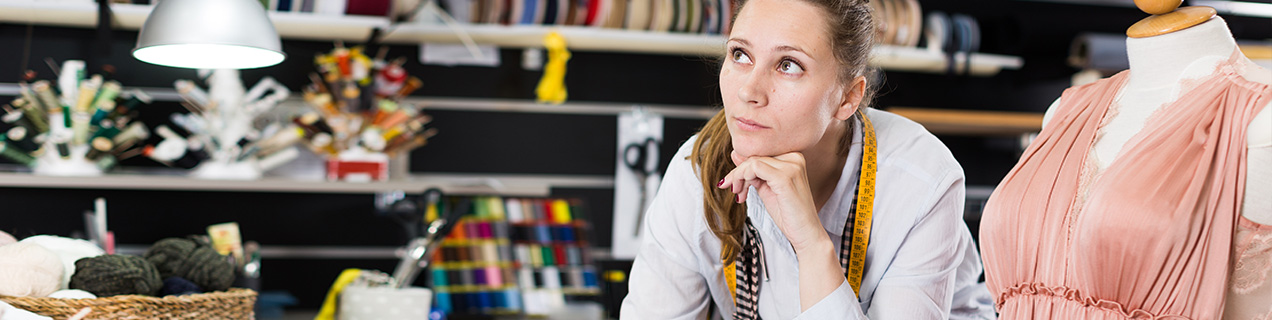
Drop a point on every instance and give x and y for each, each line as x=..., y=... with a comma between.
x=760, y=172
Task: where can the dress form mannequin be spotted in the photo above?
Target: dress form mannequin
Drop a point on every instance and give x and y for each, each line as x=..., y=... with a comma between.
x=1161, y=66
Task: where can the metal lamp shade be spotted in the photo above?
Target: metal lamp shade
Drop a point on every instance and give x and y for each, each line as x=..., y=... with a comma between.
x=209, y=34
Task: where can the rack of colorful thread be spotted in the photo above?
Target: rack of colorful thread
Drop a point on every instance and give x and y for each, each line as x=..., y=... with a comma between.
x=514, y=256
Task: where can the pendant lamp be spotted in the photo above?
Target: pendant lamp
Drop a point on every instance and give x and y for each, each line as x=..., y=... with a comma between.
x=209, y=34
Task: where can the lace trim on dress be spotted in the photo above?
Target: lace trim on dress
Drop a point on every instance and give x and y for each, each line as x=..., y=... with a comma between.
x=1254, y=256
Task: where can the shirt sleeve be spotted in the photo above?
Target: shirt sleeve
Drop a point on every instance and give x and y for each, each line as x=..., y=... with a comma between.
x=920, y=281
x=665, y=281
x=839, y=304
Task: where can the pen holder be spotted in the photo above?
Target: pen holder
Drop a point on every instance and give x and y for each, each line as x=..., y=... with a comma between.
x=358, y=167
x=373, y=303
x=51, y=163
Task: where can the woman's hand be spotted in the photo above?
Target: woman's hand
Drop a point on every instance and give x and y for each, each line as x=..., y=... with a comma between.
x=782, y=183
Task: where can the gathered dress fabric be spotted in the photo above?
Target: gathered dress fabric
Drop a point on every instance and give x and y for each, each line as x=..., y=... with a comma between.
x=1152, y=236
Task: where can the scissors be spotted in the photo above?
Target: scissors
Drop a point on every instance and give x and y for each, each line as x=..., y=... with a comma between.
x=642, y=159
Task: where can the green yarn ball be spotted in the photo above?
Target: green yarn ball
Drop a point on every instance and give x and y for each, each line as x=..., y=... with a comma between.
x=185, y=258
x=111, y=275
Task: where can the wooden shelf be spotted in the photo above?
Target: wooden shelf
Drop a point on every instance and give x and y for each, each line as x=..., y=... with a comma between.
x=459, y=184
x=308, y=26
x=982, y=123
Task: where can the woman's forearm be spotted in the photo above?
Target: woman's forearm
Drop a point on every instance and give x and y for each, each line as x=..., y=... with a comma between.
x=819, y=272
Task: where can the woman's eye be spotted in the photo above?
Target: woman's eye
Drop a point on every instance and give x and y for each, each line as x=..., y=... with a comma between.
x=740, y=57
x=791, y=67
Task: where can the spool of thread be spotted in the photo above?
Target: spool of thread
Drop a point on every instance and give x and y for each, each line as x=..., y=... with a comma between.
x=490, y=253
x=485, y=301
x=16, y=155
x=442, y=300
x=29, y=270
x=542, y=233
x=576, y=278
x=470, y=229
x=494, y=276
x=589, y=278
x=558, y=254
x=439, y=278
x=536, y=255
x=479, y=276
x=535, y=209
x=68, y=250
x=513, y=207
x=505, y=253
x=475, y=252
x=574, y=256
x=511, y=299
x=548, y=258
x=466, y=278
x=21, y=138
x=485, y=230
x=112, y=274
x=193, y=261
x=72, y=294
x=5, y=238
x=526, y=278
x=500, y=230
x=551, y=277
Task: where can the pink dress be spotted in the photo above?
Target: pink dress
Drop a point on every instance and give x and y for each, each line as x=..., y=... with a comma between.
x=1150, y=237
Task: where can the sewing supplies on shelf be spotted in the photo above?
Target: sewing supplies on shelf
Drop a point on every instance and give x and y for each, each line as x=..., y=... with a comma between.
x=359, y=120
x=217, y=137
x=76, y=126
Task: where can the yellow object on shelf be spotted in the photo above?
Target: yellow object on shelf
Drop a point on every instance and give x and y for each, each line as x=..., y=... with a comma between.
x=551, y=87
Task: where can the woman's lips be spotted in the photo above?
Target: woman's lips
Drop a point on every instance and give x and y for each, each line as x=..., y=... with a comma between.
x=748, y=125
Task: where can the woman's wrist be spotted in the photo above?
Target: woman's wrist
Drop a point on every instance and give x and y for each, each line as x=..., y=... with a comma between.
x=817, y=247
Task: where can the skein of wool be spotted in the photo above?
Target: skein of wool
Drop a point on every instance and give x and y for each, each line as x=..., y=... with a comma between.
x=112, y=274
x=178, y=286
x=5, y=238
x=185, y=258
x=28, y=270
x=70, y=250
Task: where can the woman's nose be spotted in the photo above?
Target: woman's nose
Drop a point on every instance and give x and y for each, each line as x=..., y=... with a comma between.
x=754, y=90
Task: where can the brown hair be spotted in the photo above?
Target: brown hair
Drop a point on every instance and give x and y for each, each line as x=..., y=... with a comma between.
x=852, y=32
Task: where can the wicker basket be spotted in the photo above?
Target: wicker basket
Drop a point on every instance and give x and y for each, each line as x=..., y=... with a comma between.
x=235, y=304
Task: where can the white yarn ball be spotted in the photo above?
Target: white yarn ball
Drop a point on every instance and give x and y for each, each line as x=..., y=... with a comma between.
x=69, y=250
x=28, y=270
x=72, y=294
x=5, y=238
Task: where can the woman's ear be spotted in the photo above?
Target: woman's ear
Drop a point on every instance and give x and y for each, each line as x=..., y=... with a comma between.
x=850, y=100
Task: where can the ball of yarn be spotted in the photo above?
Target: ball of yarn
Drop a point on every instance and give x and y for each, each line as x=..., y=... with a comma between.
x=72, y=294
x=5, y=238
x=112, y=274
x=175, y=286
x=185, y=258
x=70, y=250
x=28, y=270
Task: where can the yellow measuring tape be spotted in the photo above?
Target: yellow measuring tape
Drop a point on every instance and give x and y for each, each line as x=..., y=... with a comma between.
x=861, y=225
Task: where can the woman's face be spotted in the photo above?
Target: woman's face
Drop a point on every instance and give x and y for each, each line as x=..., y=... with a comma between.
x=779, y=81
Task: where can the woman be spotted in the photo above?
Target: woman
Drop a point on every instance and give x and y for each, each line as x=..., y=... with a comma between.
x=792, y=143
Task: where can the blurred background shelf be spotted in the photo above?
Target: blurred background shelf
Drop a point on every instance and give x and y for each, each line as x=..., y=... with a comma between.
x=354, y=28
x=968, y=122
x=457, y=184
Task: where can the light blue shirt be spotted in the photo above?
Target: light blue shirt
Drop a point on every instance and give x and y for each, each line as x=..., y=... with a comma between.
x=920, y=263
